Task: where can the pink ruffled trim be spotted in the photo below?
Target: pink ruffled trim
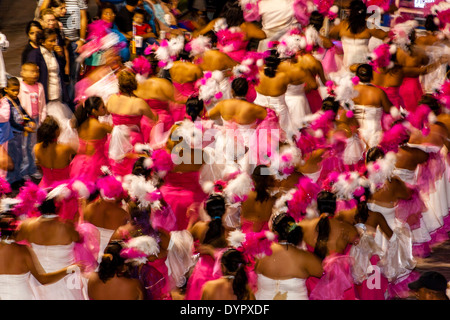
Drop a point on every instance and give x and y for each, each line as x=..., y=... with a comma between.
x=336, y=280
x=421, y=250
x=430, y=172
x=409, y=208
x=399, y=288
x=438, y=236
x=447, y=222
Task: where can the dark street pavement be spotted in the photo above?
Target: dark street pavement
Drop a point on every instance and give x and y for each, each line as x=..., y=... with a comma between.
x=14, y=15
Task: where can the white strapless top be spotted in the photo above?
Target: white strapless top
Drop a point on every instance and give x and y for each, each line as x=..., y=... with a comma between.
x=268, y=101
x=53, y=258
x=425, y=148
x=383, y=210
x=408, y=176
x=368, y=113
x=355, y=50
x=295, y=90
x=288, y=289
x=16, y=287
x=231, y=123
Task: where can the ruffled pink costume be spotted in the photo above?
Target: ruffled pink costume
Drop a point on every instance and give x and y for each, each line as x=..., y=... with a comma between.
x=125, y=166
x=165, y=119
x=337, y=281
x=180, y=190
x=182, y=92
x=411, y=92
x=87, y=166
x=53, y=177
x=205, y=270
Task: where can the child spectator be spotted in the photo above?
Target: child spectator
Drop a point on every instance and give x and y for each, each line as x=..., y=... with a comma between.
x=143, y=30
x=5, y=129
x=32, y=99
x=20, y=125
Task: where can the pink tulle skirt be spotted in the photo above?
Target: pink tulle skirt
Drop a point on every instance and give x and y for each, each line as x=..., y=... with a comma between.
x=411, y=92
x=86, y=250
x=374, y=291
x=203, y=272
x=180, y=190
x=86, y=166
x=336, y=282
x=165, y=119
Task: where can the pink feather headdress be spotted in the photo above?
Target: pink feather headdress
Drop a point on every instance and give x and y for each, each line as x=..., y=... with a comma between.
x=400, y=33
x=110, y=188
x=142, y=66
x=290, y=43
x=30, y=197
x=162, y=162
x=198, y=45
x=137, y=250
x=249, y=67
x=420, y=118
x=381, y=56
x=393, y=137
x=306, y=193
x=302, y=11
x=250, y=9
x=327, y=8
x=253, y=244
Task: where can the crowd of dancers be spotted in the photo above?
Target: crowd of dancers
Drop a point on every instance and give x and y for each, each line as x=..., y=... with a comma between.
x=286, y=149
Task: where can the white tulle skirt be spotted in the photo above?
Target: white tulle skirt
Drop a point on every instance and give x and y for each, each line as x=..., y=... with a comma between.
x=297, y=104
x=62, y=113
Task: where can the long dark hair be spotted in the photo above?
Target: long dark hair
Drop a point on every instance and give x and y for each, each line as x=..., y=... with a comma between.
x=194, y=107
x=262, y=183
x=83, y=112
x=326, y=203
x=357, y=17
x=46, y=132
x=271, y=63
x=287, y=229
x=215, y=207
x=234, y=263
x=316, y=20
x=232, y=12
x=362, y=213
x=112, y=263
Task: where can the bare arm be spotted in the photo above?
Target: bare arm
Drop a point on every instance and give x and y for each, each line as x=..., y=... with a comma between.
x=385, y=102
x=313, y=265
x=83, y=29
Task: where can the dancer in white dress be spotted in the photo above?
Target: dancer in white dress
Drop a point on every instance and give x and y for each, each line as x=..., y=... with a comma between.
x=53, y=241
x=355, y=34
x=271, y=91
x=288, y=283
x=19, y=267
x=369, y=106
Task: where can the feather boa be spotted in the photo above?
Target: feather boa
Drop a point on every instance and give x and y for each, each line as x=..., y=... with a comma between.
x=137, y=250
x=327, y=8
x=140, y=190
x=381, y=170
x=209, y=89
x=168, y=51
x=257, y=244
x=400, y=33
x=230, y=39
x=286, y=161
x=237, y=189
x=349, y=185
x=345, y=91
x=290, y=43
x=198, y=45
x=98, y=29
